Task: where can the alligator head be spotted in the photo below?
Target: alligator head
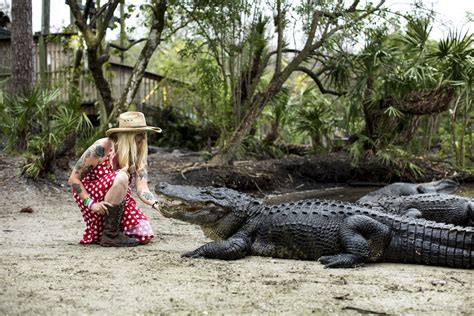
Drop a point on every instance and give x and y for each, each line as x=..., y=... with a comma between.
x=403, y=189
x=441, y=186
x=219, y=211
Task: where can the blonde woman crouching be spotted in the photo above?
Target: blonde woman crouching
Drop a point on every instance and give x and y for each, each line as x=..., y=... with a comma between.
x=101, y=182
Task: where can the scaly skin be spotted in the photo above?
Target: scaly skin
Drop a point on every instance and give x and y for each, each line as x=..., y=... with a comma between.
x=444, y=208
x=403, y=189
x=337, y=234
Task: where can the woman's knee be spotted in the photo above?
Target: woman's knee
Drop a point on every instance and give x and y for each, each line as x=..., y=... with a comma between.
x=121, y=179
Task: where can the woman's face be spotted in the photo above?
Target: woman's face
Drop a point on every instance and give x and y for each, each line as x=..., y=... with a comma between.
x=139, y=138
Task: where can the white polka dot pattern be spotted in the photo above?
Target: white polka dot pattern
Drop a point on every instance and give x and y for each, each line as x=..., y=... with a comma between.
x=97, y=182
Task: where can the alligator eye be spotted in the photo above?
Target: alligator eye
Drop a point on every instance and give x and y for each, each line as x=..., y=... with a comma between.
x=217, y=195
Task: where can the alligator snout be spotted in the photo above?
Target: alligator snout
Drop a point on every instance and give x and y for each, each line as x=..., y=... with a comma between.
x=470, y=210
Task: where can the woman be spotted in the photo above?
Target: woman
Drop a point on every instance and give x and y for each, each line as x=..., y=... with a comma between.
x=101, y=182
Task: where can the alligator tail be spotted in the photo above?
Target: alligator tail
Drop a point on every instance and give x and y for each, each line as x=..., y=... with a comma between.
x=431, y=243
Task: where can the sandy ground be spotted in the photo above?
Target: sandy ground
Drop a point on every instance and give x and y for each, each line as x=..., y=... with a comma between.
x=43, y=270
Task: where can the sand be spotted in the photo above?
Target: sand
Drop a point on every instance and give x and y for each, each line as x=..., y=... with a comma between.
x=44, y=270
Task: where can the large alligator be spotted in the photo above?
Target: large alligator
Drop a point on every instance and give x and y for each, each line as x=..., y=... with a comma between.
x=438, y=207
x=337, y=234
x=403, y=189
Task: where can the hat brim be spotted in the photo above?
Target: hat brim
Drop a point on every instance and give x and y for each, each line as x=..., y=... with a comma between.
x=133, y=129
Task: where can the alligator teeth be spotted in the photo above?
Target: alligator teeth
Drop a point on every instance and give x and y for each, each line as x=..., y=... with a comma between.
x=176, y=203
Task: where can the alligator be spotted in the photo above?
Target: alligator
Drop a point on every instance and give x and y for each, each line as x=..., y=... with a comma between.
x=338, y=234
x=438, y=207
x=403, y=188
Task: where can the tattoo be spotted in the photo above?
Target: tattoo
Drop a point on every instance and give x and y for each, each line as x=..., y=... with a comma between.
x=147, y=195
x=80, y=163
x=77, y=188
x=99, y=151
x=143, y=174
x=95, y=150
x=86, y=171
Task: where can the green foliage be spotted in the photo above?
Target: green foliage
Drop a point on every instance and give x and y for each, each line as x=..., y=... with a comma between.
x=315, y=118
x=397, y=159
x=455, y=55
x=42, y=124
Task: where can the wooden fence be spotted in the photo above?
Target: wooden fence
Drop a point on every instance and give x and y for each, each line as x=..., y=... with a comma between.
x=60, y=58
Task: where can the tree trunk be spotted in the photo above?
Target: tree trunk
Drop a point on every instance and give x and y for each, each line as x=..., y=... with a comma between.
x=42, y=46
x=22, y=47
x=102, y=85
x=226, y=155
x=154, y=39
x=367, y=107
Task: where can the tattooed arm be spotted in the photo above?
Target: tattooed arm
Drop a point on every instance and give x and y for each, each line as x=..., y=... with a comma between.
x=88, y=161
x=143, y=191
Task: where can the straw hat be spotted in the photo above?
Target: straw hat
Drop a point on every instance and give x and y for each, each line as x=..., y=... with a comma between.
x=132, y=122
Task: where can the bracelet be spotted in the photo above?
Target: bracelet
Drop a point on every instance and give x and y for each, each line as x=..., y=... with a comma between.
x=89, y=202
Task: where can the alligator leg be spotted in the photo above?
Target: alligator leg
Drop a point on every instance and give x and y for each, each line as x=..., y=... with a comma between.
x=362, y=238
x=230, y=249
x=459, y=214
x=413, y=213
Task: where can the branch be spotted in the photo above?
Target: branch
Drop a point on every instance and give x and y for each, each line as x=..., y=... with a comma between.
x=318, y=82
x=108, y=16
x=342, y=26
x=287, y=50
x=98, y=13
x=279, y=25
x=89, y=4
x=206, y=35
x=76, y=12
x=312, y=29
x=352, y=8
x=123, y=49
x=154, y=39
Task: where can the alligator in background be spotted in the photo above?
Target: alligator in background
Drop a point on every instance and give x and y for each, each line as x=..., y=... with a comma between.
x=438, y=207
x=337, y=234
x=403, y=189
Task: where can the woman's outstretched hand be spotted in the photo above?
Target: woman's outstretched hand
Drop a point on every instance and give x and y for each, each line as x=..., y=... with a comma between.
x=100, y=207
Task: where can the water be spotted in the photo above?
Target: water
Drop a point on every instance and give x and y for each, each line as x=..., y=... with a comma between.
x=467, y=190
x=350, y=194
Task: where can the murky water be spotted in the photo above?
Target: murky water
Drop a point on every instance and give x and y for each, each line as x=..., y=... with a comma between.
x=350, y=194
x=466, y=190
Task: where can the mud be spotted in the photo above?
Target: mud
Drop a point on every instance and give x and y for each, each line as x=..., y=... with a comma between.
x=43, y=270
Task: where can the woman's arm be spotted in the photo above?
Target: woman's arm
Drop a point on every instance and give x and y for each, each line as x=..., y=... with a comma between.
x=88, y=161
x=143, y=191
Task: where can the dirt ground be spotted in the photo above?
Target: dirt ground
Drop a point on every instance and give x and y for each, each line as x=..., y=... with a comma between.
x=44, y=270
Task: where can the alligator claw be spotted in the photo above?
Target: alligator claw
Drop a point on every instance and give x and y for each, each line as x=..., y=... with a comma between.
x=341, y=261
x=191, y=254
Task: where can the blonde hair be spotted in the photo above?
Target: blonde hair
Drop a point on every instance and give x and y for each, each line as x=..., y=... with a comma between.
x=128, y=153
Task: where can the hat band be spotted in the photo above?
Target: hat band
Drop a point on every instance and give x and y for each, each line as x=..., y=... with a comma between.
x=141, y=126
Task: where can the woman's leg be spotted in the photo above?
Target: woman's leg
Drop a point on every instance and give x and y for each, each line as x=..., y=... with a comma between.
x=118, y=190
x=112, y=236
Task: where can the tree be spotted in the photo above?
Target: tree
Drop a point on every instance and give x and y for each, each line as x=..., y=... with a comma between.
x=325, y=22
x=93, y=28
x=22, y=70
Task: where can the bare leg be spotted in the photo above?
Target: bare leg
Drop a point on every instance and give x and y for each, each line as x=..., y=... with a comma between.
x=112, y=236
x=118, y=190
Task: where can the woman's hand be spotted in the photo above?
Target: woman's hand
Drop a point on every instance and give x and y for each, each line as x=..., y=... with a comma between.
x=157, y=205
x=100, y=207
x=160, y=206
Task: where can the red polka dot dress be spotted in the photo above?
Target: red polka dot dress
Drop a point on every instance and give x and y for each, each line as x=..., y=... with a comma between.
x=97, y=182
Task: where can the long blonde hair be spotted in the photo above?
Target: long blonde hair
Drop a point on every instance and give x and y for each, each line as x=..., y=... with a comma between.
x=128, y=153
